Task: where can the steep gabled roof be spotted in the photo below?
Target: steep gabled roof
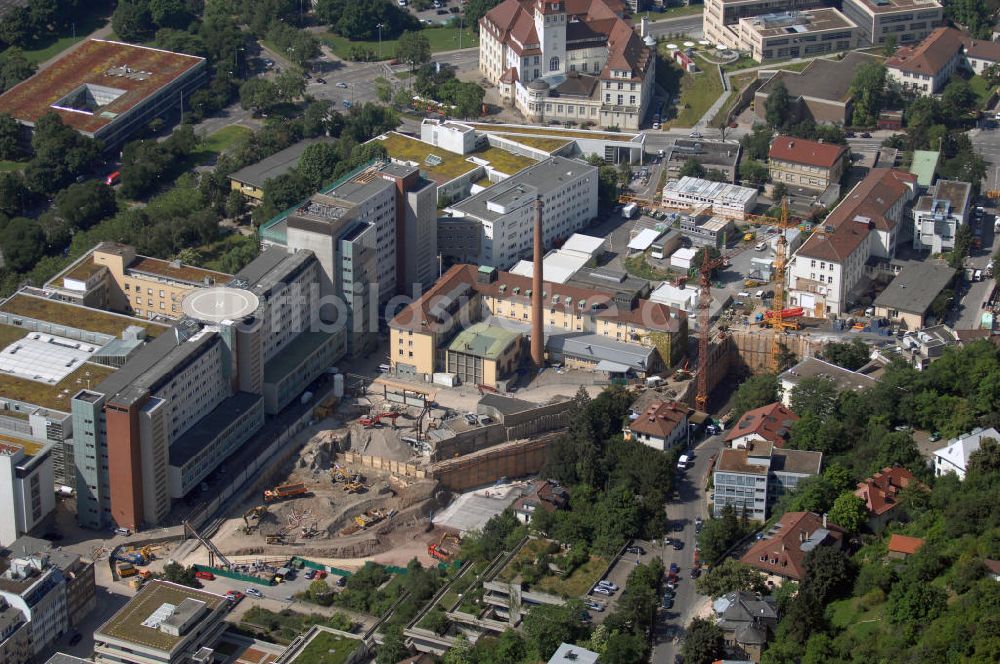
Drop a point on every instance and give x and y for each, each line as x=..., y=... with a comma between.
x=660, y=419
x=784, y=551
x=904, y=544
x=881, y=491
x=929, y=56
x=772, y=422
x=807, y=153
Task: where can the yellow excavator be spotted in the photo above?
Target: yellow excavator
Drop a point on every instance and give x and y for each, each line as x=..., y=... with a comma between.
x=253, y=513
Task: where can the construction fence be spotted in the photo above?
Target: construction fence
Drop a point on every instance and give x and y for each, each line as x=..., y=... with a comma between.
x=388, y=465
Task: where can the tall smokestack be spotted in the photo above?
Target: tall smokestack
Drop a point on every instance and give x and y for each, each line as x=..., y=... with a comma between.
x=537, y=335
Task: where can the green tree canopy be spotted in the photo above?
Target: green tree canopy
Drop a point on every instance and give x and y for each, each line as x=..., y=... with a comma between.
x=868, y=90
x=777, y=108
x=850, y=354
x=755, y=392
x=849, y=512
x=23, y=243
x=731, y=575
x=413, y=48
x=703, y=643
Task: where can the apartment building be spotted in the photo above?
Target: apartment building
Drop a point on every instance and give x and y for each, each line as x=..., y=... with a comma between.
x=505, y=212
x=15, y=635
x=556, y=60
x=27, y=492
x=806, y=164
x=721, y=18
x=754, y=477
x=724, y=199
x=30, y=583
x=908, y=21
x=926, y=68
x=590, y=328
x=794, y=34
x=938, y=215
x=165, y=623
x=782, y=551
x=663, y=425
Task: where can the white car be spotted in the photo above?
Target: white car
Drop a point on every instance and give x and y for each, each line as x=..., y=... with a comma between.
x=695, y=134
x=602, y=590
x=253, y=592
x=341, y=85
x=607, y=584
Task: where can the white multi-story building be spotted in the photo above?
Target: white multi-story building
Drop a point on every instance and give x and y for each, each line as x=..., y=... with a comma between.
x=32, y=585
x=26, y=488
x=908, y=21
x=727, y=200
x=954, y=457
x=576, y=61
x=721, y=18
x=938, y=215
x=926, y=68
x=506, y=212
x=794, y=34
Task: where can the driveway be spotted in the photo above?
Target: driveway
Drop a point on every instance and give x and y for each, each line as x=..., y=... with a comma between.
x=687, y=602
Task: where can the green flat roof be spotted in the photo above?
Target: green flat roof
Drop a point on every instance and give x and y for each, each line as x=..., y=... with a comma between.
x=483, y=340
x=327, y=648
x=76, y=316
x=127, y=623
x=923, y=166
x=446, y=167
x=539, y=142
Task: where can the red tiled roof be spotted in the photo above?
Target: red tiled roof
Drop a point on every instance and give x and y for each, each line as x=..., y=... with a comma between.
x=992, y=565
x=660, y=419
x=771, y=422
x=981, y=49
x=929, y=56
x=837, y=245
x=873, y=197
x=809, y=153
x=904, y=544
x=881, y=491
x=782, y=552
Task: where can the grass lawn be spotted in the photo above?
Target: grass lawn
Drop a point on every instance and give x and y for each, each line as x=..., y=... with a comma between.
x=736, y=83
x=982, y=89
x=579, y=582
x=9, y=165
x=211, y=254
x=225, y=138
x=94, y=15
x=671, y=12
x=849, y=614
x=440, y=38
x=698, y=93
x=327, y=648
x=638, y=266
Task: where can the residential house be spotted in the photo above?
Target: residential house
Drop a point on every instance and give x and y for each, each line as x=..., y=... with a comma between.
x=843, y=379
x=954, y=457
x=980, y=54
x=543, y=494
x=662, y=425
x=909, y=296
x=881, y=495
x=783, y=550
x=903, y=546
x=771, y=423
x=992, y=569
x=752, y=479
x=747, y=622
x=926, y=67
x=922, y=347
x=937, y=215
x=797, y=162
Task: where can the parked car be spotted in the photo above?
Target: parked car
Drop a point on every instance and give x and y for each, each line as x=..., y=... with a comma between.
x=320, y=79
x=695, y=134
x=695, y=572
x=601, y=590
x=636, y=549
x=234, y=596
x=608, y=584
x=113, y=178
x=310, y=574
x=253, y=592
x=321, y=574
x=678, y=545
x=341, y=84
x=668, y=602
x=341, y=581
x=674, y=568
x=201, y=574
x=594, y=606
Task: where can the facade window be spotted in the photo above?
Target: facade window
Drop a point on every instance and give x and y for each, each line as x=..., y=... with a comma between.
x=554, y=64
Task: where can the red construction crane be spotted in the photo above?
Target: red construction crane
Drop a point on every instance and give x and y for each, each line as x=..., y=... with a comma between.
x=705, y=325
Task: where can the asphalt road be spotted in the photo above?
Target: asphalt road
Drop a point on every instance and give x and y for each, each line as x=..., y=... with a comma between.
x=688, y=25
x=691, y=487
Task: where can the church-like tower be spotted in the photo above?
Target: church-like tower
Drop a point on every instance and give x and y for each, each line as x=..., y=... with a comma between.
x=550, y=25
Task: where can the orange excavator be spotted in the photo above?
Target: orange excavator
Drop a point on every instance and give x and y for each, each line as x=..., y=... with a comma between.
x=370, y=421
x=437, y=550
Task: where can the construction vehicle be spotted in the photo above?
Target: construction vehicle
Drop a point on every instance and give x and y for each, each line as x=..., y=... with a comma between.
x=252, y=513
x=369, y=518
x=371, y=421
x=278, y=538
x=683, y=373
x=438, y=551
x=353, y=486
x=136, y=556
x=126, y=570
x=283, y=492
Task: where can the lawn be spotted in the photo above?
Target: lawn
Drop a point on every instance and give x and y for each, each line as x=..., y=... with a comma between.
x=506, y=162
x=851, y=615
x=638, y=265
x=539, y=142
x=327, y=648
x=441, y=39
x=94, y=15
x=575, y=585
x=7, y=165
x=982, y=89
x=736, y=83
x=210, y=255
x=225, y=138
x=698, y=93
x=280, y=627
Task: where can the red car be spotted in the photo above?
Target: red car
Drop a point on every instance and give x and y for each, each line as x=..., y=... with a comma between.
x=208, y=576
x=321, y=574
x=113, y=178
x=234, y=596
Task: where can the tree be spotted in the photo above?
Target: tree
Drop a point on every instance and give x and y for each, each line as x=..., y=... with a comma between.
x=177, y=573
x=84, y=204
x=890, y=46
x=963, y=243
x=468, y=100
x=757, y=143
x=476, y=9
x=814, y=394
x=703, y=642
x=958, y=98
x=868, y=89
x=60, y=155
x=851, y=355
x=718, y=534
x=829, y=574
x=23, y=244
x=13, y=193
x=985, y=460
x=849, y=512
x=916, y=604
x=753, y=172
x=132, y=21
x=170, y=14
x=14, y=67
x=10, y=135
x=778, y=106
x=393, y=648
x=624, y=649
x=755, y=392
x=692, y=168
x=992, y=75
x=413, y=48
x=290, y=84
x=383, y=89
x=731, y=575
x=778, y=192
x=16, y=28
x=258, y=95
x=546, y=626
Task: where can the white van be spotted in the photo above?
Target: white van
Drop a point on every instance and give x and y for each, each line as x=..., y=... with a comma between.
x=759, y=295
x=384, y=368
x=743, y=295
x=682, y=463
x=760, y=246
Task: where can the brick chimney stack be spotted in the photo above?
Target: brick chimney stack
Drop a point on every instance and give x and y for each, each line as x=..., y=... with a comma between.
x=537, y=333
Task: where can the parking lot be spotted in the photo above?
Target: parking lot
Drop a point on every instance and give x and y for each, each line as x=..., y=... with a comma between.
x=440, y=12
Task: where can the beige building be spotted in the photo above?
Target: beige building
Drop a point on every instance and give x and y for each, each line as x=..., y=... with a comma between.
x=15, y=636
x=721, y=18
x=908, y=21
x=114, y=277
x=807, y=164
x=926, y=68
x=796, y=34
x=484, y=354
x=584, y=327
